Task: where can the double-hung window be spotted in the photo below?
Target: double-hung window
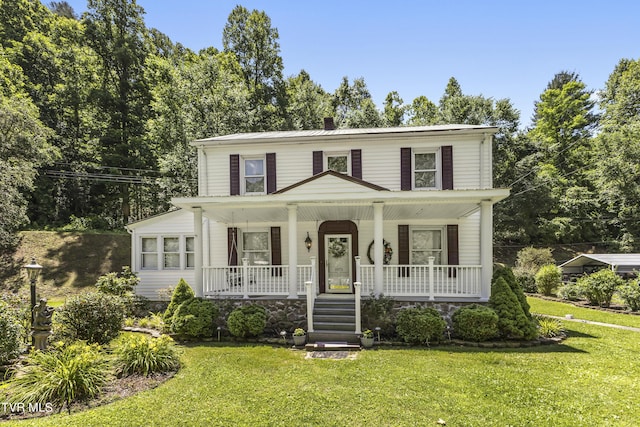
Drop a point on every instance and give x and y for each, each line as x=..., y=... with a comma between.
x=254, y=175
x=171, y=253
x=255, y=247
x=425, y=170
x=149, y=251
x=190, y=252
x=338, y=162
x=426, y=242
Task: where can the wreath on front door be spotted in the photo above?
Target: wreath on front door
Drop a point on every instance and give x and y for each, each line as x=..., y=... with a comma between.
x=337, y=249
x=388, y=252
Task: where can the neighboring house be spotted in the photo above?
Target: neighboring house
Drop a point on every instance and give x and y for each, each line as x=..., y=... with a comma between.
x=406, y=212
x=626, y=265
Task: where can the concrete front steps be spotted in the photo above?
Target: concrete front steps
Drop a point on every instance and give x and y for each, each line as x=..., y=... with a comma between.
x=334, y=322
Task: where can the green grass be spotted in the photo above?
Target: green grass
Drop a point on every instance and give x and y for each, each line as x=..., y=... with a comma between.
x=589, y=380
x=554, y=308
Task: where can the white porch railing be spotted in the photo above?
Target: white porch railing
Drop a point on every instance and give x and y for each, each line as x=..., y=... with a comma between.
x=251, y=280
x=424, y=280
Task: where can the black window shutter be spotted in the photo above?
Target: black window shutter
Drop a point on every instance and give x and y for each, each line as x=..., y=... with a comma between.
x=271, y=173
x=356, y=164
x=317, y=162
x=447, y=167
x=453, y=251
x=232, y=245
x=234, y=174
x=405, y=169
x=276, y=251
x=403, y=250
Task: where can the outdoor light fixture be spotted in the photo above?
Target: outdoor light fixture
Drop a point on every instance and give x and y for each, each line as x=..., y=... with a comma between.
x=33, y=270
x=283, y=334
x=308, y=242
x=219, y=328
x=378, y=328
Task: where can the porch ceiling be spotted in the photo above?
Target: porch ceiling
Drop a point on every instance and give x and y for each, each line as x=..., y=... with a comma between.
x=397, y=206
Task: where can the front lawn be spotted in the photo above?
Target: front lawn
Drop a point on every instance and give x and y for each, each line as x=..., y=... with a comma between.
x=591, y=379
x=539, y=305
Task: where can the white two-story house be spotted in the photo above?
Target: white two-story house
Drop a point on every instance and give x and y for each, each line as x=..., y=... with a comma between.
x=405, y=212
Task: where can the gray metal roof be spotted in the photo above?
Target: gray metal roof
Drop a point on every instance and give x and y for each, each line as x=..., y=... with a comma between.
x=339, y=133
x=609, y=259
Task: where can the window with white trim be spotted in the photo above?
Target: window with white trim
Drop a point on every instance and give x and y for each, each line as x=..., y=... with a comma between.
x=425, y=170
x=427, y=242
x=255, y=247
x=149, y=251
x=253, y=172
x=167, y=252
x=338, y=162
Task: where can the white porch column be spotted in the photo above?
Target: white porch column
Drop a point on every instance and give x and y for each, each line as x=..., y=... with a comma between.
x=293, y=251
x=378, y=245
x=486, y=248
x=198, y=242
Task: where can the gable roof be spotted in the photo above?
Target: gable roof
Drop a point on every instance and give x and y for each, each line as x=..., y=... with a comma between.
x=158, y=217
x=609, y=259
x=255, y=137
x=341, y=176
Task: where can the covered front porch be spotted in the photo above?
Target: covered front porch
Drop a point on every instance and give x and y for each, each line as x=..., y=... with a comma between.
x=341, y=215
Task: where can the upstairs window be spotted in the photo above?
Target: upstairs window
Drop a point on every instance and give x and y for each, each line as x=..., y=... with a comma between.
x=338, y=162
x=425, y=170
x=254, y=175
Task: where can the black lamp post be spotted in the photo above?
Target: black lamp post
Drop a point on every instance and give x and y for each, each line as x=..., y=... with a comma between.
x=33, y=270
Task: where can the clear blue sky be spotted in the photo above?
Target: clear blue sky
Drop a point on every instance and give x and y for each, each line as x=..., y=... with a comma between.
x=499, y=49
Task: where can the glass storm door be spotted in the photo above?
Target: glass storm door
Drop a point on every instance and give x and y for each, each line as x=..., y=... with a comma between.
x=338, y=263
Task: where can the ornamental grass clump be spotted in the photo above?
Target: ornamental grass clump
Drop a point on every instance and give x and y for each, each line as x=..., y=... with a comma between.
x=549, y=327
x=475, y=323
x=67, y=374
x=142, y=355
x=420, y=325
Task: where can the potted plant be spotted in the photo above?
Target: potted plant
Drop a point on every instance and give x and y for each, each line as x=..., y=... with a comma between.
x=367, y=338
x=299, y=337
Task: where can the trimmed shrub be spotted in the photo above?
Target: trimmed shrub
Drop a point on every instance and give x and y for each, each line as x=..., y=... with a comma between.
x=420, y=325
x=507, y=274
x=526, y=281
x=247, y=321
x=630, y=294
x=181, y=293
x=512, y=322
x=377, y=311
x=475, y=323
x=10, y=337
x=600, y=286
x=121, y=284
x=142, y=355
x=569, y=292
x=194, y=318
x=548, y=279
x=59, y=377
x=93, y=317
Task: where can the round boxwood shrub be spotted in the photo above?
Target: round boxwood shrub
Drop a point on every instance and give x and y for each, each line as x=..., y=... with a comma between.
x=475, y=323
x=93, y=317
x=194, y=318
x=420, y=325
x=247, y=321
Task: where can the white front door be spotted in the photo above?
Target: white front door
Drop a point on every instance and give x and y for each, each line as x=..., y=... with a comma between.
x=338, y=263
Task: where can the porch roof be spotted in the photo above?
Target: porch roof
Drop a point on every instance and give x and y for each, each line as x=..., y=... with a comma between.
x=354, y=205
